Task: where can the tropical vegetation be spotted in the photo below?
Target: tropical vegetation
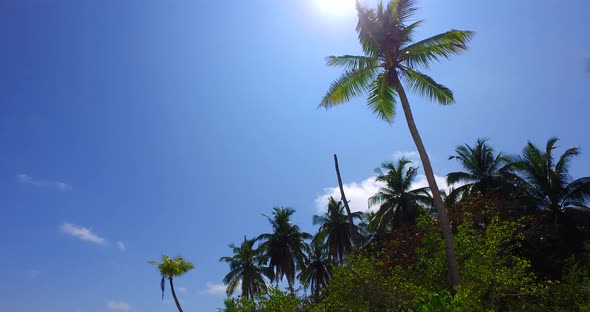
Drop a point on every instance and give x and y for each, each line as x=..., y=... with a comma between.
x=169, y=269
x=510, y=233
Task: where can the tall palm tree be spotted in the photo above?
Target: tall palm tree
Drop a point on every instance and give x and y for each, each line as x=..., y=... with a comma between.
x=316, y=269
x=285, y=246
x=391, y=57
x=246, y=267
x=549, y=183
x=483, y=168
x=397, y=203
x=335, y=230
x=170, y=268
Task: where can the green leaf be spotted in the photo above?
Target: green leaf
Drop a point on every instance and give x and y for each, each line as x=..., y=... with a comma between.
x=352, y=62
x=352, y=83
x=382, y=98
x=443, y=45
x=426, y=86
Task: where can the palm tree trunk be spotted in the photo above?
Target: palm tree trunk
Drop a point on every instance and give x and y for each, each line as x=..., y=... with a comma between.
x=174, y=295
x=443, y=219
x=354, y=237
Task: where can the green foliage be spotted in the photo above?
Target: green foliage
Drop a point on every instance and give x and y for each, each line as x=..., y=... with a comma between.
x=397, y=203
x=386, y=35
x=271, y=300
x=572, y=293
x=246, y=268
x=493, y=276
x=285, y=246
x=170, y=268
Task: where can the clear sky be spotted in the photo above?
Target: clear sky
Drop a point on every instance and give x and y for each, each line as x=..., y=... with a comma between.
x=132, y=128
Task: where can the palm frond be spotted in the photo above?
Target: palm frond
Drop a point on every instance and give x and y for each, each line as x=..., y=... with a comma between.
x=426, y=86
x=351, y=84
x=163, y=285
x=353, y=62
x=444, y=45
x=368, y=30
x=382, y=98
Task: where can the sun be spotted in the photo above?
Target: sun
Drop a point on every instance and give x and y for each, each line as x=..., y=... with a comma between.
x=336, y=7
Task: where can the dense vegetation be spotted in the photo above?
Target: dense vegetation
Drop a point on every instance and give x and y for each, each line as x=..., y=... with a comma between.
x=512, y=233
x=520, y=228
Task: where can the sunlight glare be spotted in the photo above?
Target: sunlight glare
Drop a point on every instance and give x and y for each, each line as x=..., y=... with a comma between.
x=337, y=7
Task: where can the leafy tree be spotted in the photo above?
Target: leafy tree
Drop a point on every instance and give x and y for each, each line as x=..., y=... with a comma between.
x=335, y=230
x=386, y=36
x=397, y=203
x=270, y=300
x=548, y=183
x=170, y=268
x=316, y=269
x=482, y=169
x=285, y=246
x=246, y=267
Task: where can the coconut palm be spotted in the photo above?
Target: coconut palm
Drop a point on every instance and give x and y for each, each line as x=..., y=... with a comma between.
x=246, y=268
x=169, y=269
x=391, y=57
x=316, y=269
x=285, y=246
x=335, y=230
x=397, y=203
x=548, y=183
x=483, y=169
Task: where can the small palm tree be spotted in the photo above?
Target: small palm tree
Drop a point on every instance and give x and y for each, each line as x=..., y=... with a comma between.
x=246, y=267
x=391, y=57
x=397, y=203
x=335, y=230
x=285, y=246
x=170, y=268
x=548, y=183
x=316, y=269
x=483, y=169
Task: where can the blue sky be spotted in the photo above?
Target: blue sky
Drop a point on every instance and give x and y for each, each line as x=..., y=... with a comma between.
x=134, y=128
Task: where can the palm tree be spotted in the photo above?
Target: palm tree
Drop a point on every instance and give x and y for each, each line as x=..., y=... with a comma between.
x=316, y=269
x=390, y=56
x=170, y=268
x=246, y=268
x=483, y=169
x=285, y=247
x=548, y=183
x=397, y=203
x=336, y=231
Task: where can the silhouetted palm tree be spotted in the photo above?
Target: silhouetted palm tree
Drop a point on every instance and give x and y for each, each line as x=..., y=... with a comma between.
x=483, y=169
x=549, y=183
x=391, y=56
x=285, y=246
x=397, y=203
x=246, y=267
x=335, y=230
x=316, y=269
x=170, y=268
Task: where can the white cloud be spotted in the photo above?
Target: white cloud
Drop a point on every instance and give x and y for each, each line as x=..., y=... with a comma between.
x=214, y=289
x=358, y=193
x=24, y=178
x=118, y=306
x=182, y=289
x=82, y=233
x=121, y=246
